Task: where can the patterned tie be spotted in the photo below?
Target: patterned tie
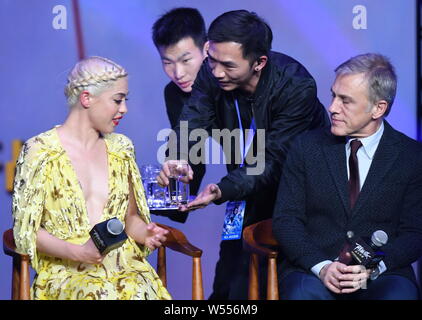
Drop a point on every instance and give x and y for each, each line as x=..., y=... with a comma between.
x=354, y=185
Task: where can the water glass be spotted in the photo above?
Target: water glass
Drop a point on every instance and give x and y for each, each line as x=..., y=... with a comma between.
x=178, y=191
x=155, y=194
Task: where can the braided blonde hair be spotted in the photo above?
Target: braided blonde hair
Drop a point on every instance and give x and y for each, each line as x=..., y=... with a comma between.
x=93, y=74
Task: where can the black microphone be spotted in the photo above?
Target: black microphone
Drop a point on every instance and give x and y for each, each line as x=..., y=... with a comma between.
x=108, y=235
x=362, y=251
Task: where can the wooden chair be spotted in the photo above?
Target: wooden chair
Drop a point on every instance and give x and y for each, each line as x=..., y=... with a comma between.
x=176, y=241
x=20, y=272
x=258, y=239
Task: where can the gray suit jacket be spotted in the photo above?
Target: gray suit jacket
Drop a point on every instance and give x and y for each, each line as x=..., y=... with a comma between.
x=312, y=212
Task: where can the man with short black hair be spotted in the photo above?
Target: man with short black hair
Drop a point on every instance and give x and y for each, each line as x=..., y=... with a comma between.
x=245, y=85
x=180, y=38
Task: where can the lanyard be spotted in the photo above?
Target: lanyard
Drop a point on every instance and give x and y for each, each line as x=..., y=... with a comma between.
x=249, y=139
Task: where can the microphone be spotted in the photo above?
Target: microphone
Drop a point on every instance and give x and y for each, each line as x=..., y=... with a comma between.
x=365, y=252
x=108, y=235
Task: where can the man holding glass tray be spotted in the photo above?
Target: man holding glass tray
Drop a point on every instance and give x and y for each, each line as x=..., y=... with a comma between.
x=244, y=85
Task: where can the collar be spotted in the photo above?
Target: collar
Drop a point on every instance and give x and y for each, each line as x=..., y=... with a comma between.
x=369, y=144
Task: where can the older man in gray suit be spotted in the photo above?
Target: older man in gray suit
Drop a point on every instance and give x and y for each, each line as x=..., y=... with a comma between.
x=362, y=175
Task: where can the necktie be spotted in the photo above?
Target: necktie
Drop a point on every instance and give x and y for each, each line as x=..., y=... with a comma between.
x=354, y=184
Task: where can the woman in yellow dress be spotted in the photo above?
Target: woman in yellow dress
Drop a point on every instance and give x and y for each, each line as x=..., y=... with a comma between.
x=74, y=176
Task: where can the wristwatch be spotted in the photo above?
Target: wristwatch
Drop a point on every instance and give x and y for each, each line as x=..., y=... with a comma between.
x=374, y=274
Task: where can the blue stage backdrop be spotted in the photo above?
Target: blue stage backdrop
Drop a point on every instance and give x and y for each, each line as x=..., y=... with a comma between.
x=38, y=49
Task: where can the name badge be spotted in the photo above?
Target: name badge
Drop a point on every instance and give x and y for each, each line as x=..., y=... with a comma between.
x=233, y=221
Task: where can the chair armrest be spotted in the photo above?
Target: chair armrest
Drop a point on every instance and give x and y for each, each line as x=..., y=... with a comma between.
x=177, y=241
x=9, y=246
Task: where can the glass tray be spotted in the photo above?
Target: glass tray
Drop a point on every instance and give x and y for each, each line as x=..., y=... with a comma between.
x=191, y=198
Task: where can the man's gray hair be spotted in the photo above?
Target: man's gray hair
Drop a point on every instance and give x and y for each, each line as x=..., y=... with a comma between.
x=379, y=73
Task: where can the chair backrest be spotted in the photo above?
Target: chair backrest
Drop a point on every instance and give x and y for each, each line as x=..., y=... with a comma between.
x=258, y=239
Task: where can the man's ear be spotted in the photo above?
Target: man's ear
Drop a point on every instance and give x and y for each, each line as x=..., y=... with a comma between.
x=205, y=49
x=85, y=99
x=260, y=63
x=379, y=109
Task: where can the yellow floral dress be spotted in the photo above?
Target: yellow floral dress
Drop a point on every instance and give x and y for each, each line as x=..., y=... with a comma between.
x=47, y=194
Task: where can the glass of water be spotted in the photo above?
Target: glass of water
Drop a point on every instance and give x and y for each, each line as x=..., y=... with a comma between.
x=154, y=193
x=178, y=191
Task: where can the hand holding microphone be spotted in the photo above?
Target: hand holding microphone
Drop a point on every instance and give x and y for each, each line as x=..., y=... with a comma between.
x=89, y=253
x=340, y=278
x=105, y=236
x=364, y=252
x=108, y=235
x=358, y=258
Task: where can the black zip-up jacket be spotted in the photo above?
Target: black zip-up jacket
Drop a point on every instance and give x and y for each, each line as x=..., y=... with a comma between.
x=284, y=104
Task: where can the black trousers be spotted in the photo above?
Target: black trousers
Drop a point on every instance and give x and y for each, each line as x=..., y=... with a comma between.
x=232, y=273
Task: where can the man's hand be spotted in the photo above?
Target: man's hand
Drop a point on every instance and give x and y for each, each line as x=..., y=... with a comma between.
x=340, y=278
x=354, y=278
x=169, y=167
x=210, y=193
x=330, y=276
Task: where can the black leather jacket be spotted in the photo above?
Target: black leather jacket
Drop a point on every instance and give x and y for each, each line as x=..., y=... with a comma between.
x=284, y=104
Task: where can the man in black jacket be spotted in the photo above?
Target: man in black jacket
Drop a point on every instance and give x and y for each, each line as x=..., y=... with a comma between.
x=180, y=38
x=362, y=176
x=246, y=86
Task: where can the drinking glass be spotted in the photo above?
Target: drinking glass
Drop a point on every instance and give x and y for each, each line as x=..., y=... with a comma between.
x=178, y=191
x=155, y=194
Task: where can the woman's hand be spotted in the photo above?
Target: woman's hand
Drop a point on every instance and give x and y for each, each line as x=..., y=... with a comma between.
x=88, y=253
x=155, y=236
x=54, y=247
